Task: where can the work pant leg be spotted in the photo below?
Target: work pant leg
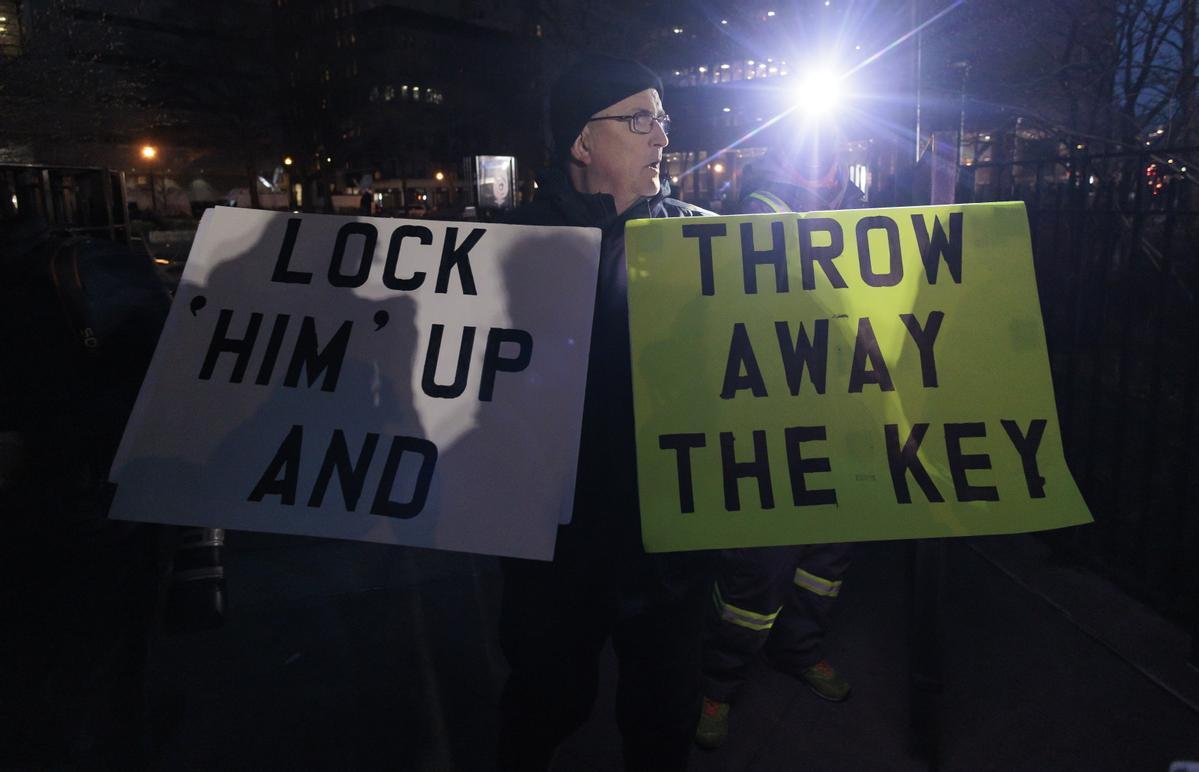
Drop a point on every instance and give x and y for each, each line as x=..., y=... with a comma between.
x=658, y=694
x=551, y=633
x=797, y=641
x=751, y=586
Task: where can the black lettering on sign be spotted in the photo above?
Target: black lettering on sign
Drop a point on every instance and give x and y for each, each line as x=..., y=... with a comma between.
x=390, y=279
x=824, y=255
x=457, y=257
x=493, y=362
x=283, y=272
x=775, y=255
x=351, y=475
x=682, y=444
x=308, y=356
x=798, y=466
x=741, y=353
x=906, y=460
x=759, y=469
x=895, y=260
x=221, y=343
x=937, y=246
x=865, y=350
x=705, y=233
x=428, y=381
x=1027, y=445
x=924, y=342
x=365, y=257
x=960, y=463
x=272, y=349
x=804, y=353
x=405, y=510
x=282, y=475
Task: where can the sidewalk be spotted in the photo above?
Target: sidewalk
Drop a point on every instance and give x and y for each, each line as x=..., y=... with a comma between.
x=339, y=655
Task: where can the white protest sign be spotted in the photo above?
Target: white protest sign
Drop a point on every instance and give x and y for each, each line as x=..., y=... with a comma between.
x=396, y=381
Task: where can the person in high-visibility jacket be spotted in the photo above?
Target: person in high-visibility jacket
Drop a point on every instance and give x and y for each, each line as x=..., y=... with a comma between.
x=778, y=599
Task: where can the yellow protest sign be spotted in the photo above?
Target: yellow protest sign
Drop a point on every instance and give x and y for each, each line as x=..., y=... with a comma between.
x=843, y=376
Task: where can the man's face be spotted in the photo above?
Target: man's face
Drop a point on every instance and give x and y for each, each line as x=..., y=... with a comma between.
x=619, y=161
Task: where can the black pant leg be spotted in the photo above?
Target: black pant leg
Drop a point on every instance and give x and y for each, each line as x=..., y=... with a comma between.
x=658, y=695
x=750, y=588
x=551, y=632
x=798, y=638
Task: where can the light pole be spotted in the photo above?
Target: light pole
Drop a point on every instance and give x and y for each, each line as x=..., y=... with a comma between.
x=150, y=154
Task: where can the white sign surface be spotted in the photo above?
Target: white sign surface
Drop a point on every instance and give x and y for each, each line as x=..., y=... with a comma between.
x=397, y=381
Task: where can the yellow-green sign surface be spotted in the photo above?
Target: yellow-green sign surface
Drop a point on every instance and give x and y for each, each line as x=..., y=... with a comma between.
x=842, y=376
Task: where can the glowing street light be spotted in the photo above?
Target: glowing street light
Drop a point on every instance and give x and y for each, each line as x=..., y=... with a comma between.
x=818, y=92
x=150, y=153
x=287, y=161
x=439, y=176
x=718, y=167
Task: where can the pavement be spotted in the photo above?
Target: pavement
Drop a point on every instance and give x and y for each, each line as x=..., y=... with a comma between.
x=344, y=655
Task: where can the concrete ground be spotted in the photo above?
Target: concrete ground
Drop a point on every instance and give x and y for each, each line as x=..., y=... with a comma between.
x=341, y=655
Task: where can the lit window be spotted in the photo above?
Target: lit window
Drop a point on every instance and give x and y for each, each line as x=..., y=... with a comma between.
x=771, y=13
x=724, y=66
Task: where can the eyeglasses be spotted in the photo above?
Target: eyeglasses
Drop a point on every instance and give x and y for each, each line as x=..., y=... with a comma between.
x=640, y=122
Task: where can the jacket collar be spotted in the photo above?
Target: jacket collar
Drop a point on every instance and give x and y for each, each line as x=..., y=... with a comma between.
x=591, y=209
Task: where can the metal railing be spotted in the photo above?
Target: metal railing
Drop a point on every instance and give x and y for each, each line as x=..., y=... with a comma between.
x=86, y=201
x=1115, y=247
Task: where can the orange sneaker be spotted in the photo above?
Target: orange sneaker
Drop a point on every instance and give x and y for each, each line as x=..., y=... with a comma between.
x=825, y=682
x=713, y=726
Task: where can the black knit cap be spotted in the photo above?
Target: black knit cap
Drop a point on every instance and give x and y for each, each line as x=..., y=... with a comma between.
x=591, y=84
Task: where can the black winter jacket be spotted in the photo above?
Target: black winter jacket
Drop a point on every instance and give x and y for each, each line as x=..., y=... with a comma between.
x=603, y=542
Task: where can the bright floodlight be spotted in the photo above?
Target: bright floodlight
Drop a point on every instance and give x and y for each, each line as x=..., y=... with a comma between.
x=818, y=92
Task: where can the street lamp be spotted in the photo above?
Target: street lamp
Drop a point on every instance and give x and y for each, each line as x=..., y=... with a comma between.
x=439, y=176
x=287, y=161
x=150, y=153
x=817, y=93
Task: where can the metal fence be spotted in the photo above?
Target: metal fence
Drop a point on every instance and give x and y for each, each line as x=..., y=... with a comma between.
x=84, y=201
x=1115, y=245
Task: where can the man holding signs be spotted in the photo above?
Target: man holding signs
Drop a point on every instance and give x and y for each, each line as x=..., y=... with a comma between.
x=609, y=131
